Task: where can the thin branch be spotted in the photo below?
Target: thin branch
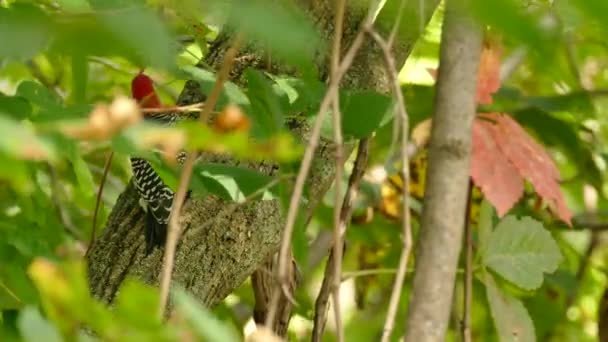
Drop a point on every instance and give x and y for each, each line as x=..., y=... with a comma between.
x=468, y=272
x=367, y=273
x=339, y=156
x=191, y=108
x=305, y=167
x=102, y=183
x=346, y=210
x=66, y=221
x=510, y=64
x=174, y=229
x=406, y=224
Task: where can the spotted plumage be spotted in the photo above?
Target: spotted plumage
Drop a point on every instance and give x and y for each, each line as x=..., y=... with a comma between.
x=155, y=196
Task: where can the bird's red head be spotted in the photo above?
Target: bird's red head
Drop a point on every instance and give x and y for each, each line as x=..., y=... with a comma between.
x=142, y=90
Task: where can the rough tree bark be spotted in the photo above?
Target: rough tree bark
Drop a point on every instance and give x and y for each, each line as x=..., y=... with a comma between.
x=212, y=259
x=445, y=199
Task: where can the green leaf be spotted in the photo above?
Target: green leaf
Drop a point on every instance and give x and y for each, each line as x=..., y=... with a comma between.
x=15, y=106
x=34, y=327
x=266, y=110
x=579, y=103
x=21, y=142
x=38, y=95
x=205, y=325
x=279, y=27
x=74, y=6
x=237, y=182
x=84, y=176
x=136, y=304
x=511, y=18
x=362, y=112
x=595, y=9
x=308, y=94
x=512, y=321
x=486, y=213
x=231, y=93
x=521, y=251
x=142, y=33
x=25, y=30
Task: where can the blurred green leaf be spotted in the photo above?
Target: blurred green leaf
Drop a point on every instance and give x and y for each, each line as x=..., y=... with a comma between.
x=74, y=6
x=596, y=9
x=511, y=318
x=21, y=142
x=205, y=325
x=35, y=328
x=419, y=100
x=143, y=33
x=266, y=110
x=231, y=93
x=516, y=21
x=579, y=103
x=38, y=95
x=25, y=30
x=362, y=112
x=136, y=305
x=521, y=250
x=15, y=106
x=280, y=27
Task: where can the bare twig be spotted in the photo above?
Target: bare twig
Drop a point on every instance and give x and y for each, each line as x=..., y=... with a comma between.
x=332, y=277
x=174, y=229
x=339, y=146
x=468, y=272
x=191, y=108
x=511, y=63
x=66, y=221
x=406, y=224
x=102, y=183
x=367, y=273
x=305, y=167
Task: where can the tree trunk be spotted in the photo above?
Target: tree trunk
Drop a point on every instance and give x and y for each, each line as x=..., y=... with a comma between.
x=216, y=254
x=445, y=200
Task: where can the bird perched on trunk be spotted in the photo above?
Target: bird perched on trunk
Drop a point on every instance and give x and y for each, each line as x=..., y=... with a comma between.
x=155, y=196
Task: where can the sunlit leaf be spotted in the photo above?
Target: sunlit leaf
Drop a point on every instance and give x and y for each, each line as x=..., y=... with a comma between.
x=237, y=182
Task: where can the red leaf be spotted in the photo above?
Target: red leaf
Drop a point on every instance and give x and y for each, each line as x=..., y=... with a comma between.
x=488, y=80
x=529, y=159
x=491, y=171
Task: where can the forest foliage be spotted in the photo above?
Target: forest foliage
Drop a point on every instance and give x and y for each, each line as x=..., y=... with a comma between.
x=540, y=147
